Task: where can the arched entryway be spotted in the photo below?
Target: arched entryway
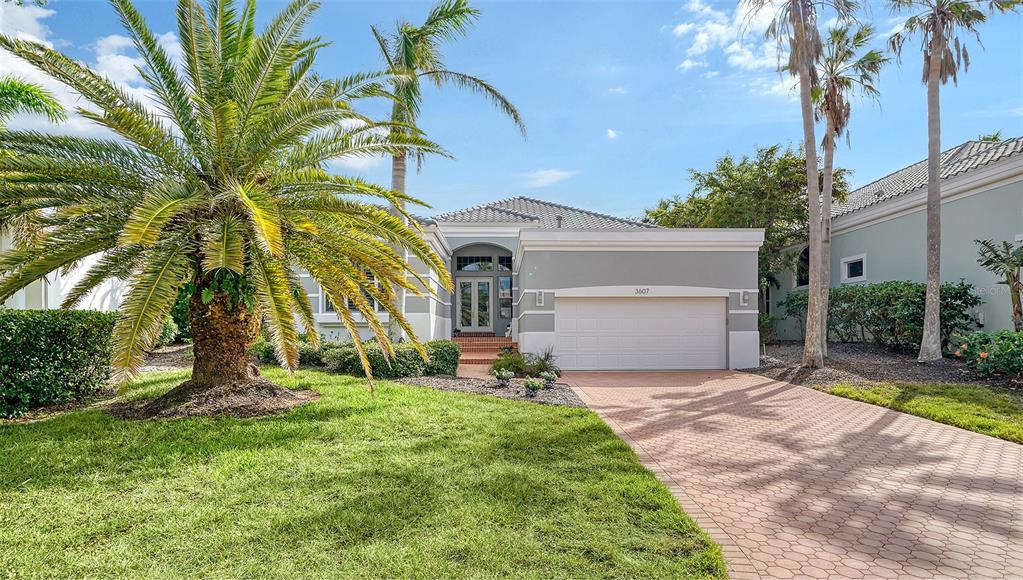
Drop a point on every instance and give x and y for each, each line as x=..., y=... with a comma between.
x=482, y=300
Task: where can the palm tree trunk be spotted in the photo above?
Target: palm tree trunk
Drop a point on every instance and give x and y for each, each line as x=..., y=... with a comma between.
x=399, y=170
x=1016, y=297
x=930, y=345
x=812, y=355
x=829, y=183
x=221, y=337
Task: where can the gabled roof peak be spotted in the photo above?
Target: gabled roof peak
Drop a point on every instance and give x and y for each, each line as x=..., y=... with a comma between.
x=548, y=215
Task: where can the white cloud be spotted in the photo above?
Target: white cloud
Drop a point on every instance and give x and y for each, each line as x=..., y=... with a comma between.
x=355, y=163
x=618, y=90
x=779, y=86
x=710, y=74
x=612, y=134
x=689, y=64
x=738, y=34
x=115, y=58
x=545, y=177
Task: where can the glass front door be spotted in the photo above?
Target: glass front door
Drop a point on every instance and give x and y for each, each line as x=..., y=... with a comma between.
x=474, y=300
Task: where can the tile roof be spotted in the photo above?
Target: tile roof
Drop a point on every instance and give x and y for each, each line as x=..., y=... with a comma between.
x=528, y=210
x=955, y=161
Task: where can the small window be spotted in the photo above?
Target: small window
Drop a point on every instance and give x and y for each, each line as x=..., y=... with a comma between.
x=803, y=268
x=504, y=263
x=854, y=269
x=474, y=263
x=504, y=296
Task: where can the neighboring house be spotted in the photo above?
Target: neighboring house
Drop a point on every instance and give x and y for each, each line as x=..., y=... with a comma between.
x=50, y=292
x=879, y=232
x=604, y=292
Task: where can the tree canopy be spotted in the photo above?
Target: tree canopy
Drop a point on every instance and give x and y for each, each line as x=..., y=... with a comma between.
x=764, y=190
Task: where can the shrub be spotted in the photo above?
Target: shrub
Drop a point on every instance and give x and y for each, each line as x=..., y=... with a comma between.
x=548, y=378
x=514, y=362
x=543, y=363
x=444, y=356
x=991, y=353
x=52, y=356
x=504, y=377
x=890, y=313
x=533, y=384
x=179, y=311
x=168, y=332
x=405, y=363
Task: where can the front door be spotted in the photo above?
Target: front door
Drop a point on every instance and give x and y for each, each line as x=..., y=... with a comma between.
x=474, y=298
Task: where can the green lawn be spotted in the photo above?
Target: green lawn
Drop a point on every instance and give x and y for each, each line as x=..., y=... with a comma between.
x=990, y=410
x=417, y=483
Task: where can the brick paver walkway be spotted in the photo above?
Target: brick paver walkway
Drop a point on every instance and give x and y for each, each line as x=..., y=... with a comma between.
x=794, y=482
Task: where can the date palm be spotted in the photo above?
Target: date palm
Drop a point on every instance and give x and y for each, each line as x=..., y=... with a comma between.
x=845, y=67
x=939, y=23
x=794, y=27
x=222, y=185
x=1005, y=261
x=412, y=54
x=19, y=96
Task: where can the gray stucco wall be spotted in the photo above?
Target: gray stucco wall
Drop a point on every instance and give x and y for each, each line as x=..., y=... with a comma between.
x=559, y=269
x=895, y=250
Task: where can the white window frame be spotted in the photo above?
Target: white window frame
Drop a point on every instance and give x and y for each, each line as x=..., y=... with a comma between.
x=845, y=269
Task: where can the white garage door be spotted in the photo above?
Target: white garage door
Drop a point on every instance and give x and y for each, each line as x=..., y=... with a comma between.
x=640, y=333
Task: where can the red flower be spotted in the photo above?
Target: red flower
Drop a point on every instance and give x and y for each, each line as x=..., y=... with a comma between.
x=959, y=353
x=984, y=355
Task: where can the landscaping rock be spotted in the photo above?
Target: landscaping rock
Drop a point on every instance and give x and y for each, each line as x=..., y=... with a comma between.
x=559, y=394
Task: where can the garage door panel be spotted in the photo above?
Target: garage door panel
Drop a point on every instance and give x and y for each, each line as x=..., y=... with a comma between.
x=640, y=333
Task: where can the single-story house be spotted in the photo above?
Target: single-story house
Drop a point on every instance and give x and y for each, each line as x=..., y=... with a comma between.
x=879, y=233
x=603, y=292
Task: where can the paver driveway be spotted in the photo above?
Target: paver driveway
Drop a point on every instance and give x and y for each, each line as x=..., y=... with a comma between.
x=795, y=482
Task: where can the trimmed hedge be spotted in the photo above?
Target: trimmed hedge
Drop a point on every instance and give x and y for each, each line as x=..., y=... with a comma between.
x=444, y=355
x=993, y=353
x=890, y=313
x=52, y=356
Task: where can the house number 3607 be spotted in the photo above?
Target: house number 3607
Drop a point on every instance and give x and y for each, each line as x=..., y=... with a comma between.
x=642, y=291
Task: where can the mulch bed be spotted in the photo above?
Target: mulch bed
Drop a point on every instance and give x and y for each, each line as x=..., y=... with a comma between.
x=860, y=363
x=172, y=357
x=559, y=394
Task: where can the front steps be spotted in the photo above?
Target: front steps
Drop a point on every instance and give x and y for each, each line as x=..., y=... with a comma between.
x=480, y=348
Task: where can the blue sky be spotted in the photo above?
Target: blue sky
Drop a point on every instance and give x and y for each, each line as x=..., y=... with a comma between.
x=620, y=98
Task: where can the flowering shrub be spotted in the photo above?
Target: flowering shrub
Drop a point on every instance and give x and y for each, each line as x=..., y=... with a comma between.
x=504, y=376
x=533, y=384
x=548, y=378
x=993, y=353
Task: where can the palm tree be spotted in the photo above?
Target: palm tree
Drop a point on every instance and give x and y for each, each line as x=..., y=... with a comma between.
x=412, y=54
x=221, y=186
x=842, y=69
x=940, y=24
x=1007, y=262
x=794, y=26
x=19, y=96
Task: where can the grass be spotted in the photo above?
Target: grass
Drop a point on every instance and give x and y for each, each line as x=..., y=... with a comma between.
x=417, y=483
x=989, y=410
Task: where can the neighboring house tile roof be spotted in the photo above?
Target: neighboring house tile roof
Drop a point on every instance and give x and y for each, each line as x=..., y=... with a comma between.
x=957, y=160
x=526, y=209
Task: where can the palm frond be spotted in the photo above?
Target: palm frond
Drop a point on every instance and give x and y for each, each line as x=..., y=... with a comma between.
x=225, y=245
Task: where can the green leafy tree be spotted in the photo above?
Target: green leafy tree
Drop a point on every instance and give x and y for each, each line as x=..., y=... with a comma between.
x=939, y=24
x=794, y=26
x=221, y=187
x=412, y=54
x=846, y=66
x=1005, y=261
x=19, y=96
x=766, y=190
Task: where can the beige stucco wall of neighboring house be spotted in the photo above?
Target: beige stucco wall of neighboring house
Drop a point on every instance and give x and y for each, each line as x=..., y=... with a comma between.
x=894, y=249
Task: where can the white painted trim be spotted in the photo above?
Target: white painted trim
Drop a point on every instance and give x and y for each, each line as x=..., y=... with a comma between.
x=954, y=188
x=438, y=238
x=744, y=312
x=540, y=298
x=641, y=291
x=525, y=312
x=844, y=270
x=529, y=291
x=647, y=240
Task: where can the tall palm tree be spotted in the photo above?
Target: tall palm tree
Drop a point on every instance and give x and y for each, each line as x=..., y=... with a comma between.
x=844, y=67
x=940, y=24
x=794, y=26
x=19, y=96
x=222, y=185
x=412, y=54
